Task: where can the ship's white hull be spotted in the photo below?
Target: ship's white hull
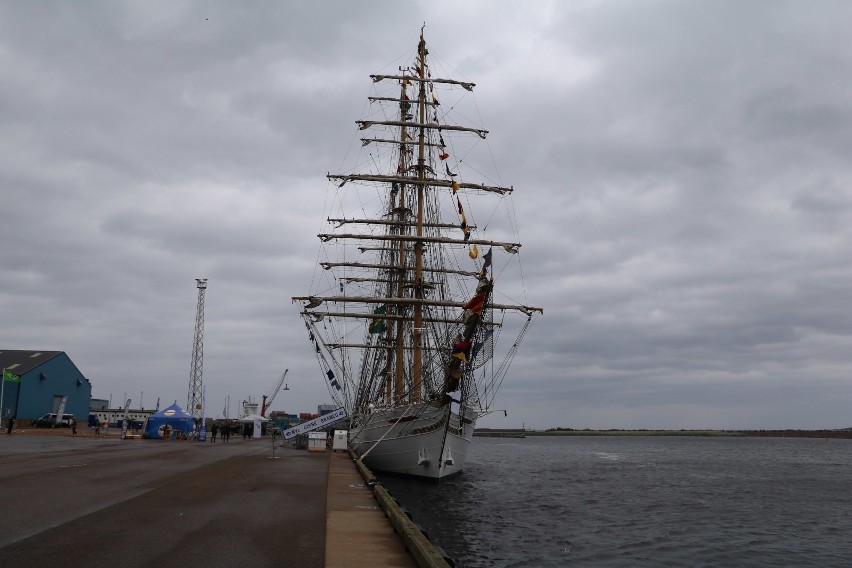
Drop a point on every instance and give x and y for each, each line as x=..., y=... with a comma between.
x=414, y=440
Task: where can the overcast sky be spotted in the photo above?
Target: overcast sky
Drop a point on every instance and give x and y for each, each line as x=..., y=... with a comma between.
x=682, y=186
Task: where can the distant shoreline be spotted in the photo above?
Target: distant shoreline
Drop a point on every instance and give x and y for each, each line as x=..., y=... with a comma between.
x=509, y=433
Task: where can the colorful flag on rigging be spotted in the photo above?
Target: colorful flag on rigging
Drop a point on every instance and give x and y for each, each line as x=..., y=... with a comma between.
x=334, y=383
x=460, y=350
x=476, y=303
x=487, y=260
x=378, y=324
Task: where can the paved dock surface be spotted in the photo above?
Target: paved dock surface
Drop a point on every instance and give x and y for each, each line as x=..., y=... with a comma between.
x=103, y=502
x=359, y=533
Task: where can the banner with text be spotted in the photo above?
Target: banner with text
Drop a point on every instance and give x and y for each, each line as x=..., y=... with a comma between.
x=60, y=412
x=318, y=422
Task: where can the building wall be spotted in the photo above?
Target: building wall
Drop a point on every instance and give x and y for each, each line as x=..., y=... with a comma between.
x=54, y=378
x=10, y=395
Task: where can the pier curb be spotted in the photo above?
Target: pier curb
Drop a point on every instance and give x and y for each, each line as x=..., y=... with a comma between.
x=424, y=552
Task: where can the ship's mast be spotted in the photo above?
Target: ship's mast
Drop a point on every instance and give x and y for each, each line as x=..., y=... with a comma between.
x=408, y=352
x=417, y=371
x=395, y=394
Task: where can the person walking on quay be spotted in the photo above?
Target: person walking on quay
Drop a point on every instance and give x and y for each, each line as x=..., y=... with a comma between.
x=73, y=424
x=10, y=426
x=213, y=431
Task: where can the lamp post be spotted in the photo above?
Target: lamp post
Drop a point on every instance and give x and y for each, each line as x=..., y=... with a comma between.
x=286, y=388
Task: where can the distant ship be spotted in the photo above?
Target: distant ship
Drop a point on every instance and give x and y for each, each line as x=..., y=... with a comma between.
x=406, y=327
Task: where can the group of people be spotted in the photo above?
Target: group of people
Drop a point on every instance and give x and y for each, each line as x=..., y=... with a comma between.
x=222, y=432
x=247, y=430
x=214, y=431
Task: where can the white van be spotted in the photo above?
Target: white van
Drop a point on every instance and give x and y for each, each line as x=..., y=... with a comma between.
x=49, y=421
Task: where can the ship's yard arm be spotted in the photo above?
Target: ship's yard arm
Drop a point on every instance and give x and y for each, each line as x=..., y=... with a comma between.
x=343, y=221
x=466, y=84
x=509, y=247
x=330, y=265
x=315, y=301
x=344, y=178
x=365, y=124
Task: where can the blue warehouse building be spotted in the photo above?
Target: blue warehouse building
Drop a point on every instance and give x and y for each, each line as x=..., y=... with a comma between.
x=46, y=377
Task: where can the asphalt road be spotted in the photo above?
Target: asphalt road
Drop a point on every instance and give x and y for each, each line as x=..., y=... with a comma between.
x=105, y=502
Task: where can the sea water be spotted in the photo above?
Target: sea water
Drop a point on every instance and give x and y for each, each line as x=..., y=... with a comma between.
x=641, y=501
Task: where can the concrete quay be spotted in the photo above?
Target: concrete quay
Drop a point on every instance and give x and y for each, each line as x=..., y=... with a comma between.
x=86, y=501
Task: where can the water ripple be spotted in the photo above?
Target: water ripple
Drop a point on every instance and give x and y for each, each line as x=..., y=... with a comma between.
x=641, y=501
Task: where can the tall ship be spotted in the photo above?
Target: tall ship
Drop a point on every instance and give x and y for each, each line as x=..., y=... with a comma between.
x=411, y=328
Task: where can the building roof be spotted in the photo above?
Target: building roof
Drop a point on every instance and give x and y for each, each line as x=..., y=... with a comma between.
x=20, y=362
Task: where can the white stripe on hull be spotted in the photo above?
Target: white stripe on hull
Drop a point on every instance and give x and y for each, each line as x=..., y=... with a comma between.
x=413, y=447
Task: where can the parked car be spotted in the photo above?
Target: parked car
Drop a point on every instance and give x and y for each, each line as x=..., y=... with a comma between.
x=49, y=421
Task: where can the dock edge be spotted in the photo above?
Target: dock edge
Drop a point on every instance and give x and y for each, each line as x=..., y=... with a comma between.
x=425, y=554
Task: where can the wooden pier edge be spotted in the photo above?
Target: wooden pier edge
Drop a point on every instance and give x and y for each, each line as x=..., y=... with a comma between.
x=421, y=549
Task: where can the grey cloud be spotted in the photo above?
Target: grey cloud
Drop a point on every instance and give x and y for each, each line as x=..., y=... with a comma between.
x=681, y=191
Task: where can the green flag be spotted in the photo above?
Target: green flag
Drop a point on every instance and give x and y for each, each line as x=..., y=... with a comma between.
x=8, y=376
x=378, y=324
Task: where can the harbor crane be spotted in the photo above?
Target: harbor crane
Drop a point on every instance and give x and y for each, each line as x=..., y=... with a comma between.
x=268, y=398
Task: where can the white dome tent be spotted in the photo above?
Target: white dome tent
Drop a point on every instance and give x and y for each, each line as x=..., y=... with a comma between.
x=257, y=421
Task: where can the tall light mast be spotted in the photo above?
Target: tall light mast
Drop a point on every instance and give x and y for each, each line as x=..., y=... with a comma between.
x=193, y=398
